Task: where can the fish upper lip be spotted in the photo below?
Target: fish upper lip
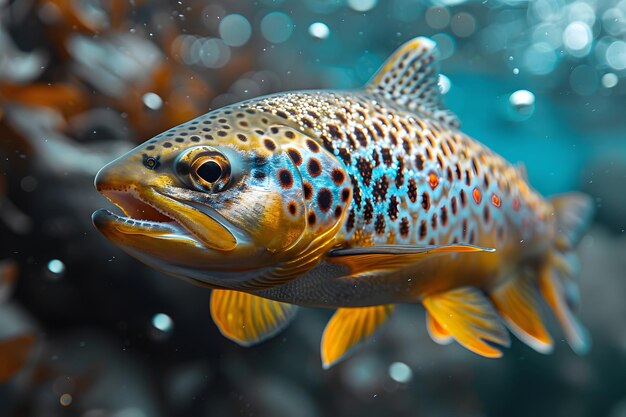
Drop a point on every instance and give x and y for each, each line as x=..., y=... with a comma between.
x=138, y=212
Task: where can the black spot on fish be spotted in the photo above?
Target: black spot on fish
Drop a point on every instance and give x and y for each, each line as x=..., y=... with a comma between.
x=393, y=210
x=324, y=199
x=405, y=227
x=379, y=225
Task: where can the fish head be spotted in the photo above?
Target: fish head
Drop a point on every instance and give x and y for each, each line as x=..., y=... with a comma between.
x=222, y=199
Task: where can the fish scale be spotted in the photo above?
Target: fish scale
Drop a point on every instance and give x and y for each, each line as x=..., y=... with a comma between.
x=354, y=200
x=406, y=170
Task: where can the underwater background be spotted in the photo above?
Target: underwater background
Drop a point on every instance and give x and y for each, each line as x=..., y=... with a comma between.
x=94, y=333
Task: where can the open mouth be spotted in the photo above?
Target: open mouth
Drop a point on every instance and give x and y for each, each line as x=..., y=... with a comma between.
x=140, y=217
x=156, y=214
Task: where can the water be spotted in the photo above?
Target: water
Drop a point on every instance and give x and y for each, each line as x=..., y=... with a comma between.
x=542, y=83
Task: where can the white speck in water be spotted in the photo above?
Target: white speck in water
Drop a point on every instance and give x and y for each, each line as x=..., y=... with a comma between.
x=319, y=30
x=515, y=71
x=152, y=101
x=400, y=372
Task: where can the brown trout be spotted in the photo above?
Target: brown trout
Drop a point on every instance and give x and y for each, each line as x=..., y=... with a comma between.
x=354, y=200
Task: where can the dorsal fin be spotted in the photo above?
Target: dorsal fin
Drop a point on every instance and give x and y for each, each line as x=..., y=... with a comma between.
x=410, y=77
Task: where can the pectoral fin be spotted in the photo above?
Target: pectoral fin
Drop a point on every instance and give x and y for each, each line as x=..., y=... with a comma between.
x=517, y=302
x=247, y=319
x=367, y=260
x=350, y=327
x=468, y=316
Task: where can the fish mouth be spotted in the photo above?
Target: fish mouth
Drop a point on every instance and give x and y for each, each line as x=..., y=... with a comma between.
x=154, y=215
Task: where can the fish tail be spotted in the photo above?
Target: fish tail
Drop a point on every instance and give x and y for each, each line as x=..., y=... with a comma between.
x=558, y=275
x=555, y=280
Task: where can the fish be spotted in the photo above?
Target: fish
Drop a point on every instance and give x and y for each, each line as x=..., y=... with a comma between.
x=356, y=201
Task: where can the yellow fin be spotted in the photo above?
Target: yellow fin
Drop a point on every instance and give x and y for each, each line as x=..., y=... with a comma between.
x=468, y=316
x=348, y=328
x=247, y=319
x=367, y=260
x=517, y=302
x=436, y=331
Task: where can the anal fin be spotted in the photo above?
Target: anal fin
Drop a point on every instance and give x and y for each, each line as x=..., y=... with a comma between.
x=436, y=331
x=517, y=301
x=468, y=316
x=248, y=319
x=348, y=328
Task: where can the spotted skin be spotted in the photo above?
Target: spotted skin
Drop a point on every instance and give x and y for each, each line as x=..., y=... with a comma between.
x=351, y=199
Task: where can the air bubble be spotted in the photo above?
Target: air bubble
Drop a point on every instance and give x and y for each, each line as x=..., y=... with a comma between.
x=152, y=101
x=521, y=104
x=56, y=268
x=162, y=322
x=400, y=372
x=319, y=30
x=609, y=80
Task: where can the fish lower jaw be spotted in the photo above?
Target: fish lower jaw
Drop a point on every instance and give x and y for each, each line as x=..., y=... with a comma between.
x=139, y=218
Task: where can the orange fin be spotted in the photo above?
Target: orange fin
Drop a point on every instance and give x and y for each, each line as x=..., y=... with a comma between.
x=348, y=328
x=436, y=331
x=554, y=288
x=14, y=353
x=517, y=302
x=468, y=316
x=247, y=319
x=370, y=259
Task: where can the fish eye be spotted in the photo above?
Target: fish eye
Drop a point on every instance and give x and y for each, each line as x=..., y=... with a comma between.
x=211, y=172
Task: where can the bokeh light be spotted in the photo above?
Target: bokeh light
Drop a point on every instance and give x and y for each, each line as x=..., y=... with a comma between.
x=362, y=5
x=319, y=30
x=235, y=30
x=276, y=27
x=400, y=372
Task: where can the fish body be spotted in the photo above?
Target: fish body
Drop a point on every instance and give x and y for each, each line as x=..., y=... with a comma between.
x=355, y=200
